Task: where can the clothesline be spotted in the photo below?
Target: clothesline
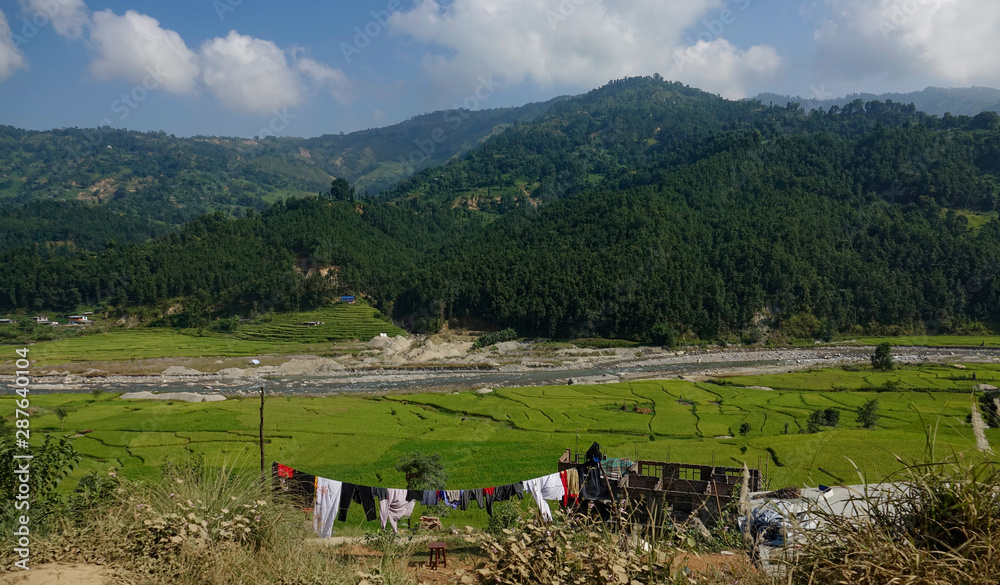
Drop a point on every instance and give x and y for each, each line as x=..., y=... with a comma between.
x=331, y=498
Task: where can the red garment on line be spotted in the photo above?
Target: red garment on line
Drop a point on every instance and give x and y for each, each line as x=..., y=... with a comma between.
x=285, y=471
x=489, y=491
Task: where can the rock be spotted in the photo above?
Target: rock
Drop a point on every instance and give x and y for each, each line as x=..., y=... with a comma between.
x=430, y=523
x=181, y=371
x=983, y=387
x=484, y=391
x=957, y=366
x=759, y=388
x=182, y=396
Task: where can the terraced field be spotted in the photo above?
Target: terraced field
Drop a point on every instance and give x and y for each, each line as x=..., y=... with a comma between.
x=279, y=334
x=339, y=322
x=517, y=433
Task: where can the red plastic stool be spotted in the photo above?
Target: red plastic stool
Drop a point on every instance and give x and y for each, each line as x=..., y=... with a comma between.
x=438, y=554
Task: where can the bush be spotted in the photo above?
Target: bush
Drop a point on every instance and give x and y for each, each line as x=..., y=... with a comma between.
x=829, y=417
x=989, y=405
x=195, y=525
x=571, y=550
x=423, y=472
x=664, y=335
x=745, y=429
x=868, y=414
x=506, y=516
x=507, y=334
x=52, y=461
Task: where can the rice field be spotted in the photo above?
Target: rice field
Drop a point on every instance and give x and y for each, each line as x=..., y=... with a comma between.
x=517, y=433
x=278, y=334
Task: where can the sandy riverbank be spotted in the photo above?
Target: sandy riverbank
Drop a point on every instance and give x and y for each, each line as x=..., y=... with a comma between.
x=426, y=363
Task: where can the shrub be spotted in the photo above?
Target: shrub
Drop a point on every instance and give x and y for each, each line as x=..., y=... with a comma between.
x=52, y=461
x=507, y=334
x=868, y=414
x=938, y=526
x=423, y=472
x=570, y=550
x=664, y=334
x=745, y=429
x=506, y=516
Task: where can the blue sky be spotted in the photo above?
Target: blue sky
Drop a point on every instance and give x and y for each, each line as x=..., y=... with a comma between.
x=250, y=68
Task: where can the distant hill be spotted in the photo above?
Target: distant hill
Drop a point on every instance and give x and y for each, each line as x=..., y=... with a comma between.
x=160, y=177
x=938, y=101
x=644, y=209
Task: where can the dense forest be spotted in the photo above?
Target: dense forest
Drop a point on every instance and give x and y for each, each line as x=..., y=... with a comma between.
x=644, y=209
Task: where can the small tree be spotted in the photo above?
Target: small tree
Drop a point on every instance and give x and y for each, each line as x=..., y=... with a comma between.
x=988, y=405
x=61, y=414
x=96, y=393
x=868, y=414
x=882, y=358
x=423, y=472
x=745, y=429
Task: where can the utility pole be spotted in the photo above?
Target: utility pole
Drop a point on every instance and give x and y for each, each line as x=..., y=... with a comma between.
x=263, y=477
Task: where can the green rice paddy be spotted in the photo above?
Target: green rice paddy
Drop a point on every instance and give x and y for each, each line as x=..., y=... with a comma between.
x=517, y=433
x=273, y=334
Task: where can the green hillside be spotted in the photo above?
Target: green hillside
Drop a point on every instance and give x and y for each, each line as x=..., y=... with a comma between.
x=644, y=210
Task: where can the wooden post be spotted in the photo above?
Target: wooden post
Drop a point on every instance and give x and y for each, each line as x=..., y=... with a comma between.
x=263, y=475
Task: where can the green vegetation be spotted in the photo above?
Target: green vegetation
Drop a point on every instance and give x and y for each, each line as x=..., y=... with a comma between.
x=422, y=472
x=643, y=210
x=516, y=433
x=495, y=337
x=270, y=334
x=882, y=358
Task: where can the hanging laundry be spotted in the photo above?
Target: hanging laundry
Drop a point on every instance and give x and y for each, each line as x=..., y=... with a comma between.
x=414, y=495
x=571, y=483
x=300, y=486
x=506, y=492
x=430, y=498
x=379, y=493
x=463, y=502
x=346, y=497
x=548, y=487
x=453, y=497
x=327, y=506
x=394, y=507
x=359, y=494
x=595, y=486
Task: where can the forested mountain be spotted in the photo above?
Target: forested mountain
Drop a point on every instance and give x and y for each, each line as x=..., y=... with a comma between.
x=957, y=101
x=153, y=176
x=644, y=209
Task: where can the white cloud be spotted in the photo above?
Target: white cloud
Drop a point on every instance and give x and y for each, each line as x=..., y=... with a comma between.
x=134, y=47
x=940, y=41
x=248, y=74
x=332, y=79
x=11, y=57
x=68, y=17
x=585, y=42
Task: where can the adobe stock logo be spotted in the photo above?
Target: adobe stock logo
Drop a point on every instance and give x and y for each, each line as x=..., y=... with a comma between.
x=363, y=36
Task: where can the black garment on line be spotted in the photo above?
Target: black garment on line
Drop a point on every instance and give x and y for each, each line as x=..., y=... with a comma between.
x=380, y=493
x=414, y=495
x=359, y=494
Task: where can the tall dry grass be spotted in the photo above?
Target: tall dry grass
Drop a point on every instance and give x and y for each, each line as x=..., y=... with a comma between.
x=940, y=526
x=210, y=525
